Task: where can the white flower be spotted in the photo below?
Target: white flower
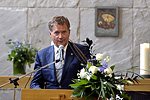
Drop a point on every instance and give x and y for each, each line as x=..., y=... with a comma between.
x=99, y=56
x=83, y=73
x=110, y=75
x=107, y=59
x=119, y=87
x=78, y=74
x=93, y=69
x=105, y=82
x=108, y=70
x=88, y=77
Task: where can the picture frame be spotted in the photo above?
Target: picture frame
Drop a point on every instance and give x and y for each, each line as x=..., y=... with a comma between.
x=106, y=21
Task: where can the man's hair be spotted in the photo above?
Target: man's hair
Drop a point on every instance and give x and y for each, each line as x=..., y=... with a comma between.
x=58, y=20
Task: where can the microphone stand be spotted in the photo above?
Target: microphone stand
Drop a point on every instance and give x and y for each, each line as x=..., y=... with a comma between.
x=14, y=81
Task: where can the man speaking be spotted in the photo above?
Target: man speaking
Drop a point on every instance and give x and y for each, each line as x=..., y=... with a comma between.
x=68, y=57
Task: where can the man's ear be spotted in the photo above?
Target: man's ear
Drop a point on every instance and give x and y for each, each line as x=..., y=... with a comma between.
x=69, y=32
x=49, y=32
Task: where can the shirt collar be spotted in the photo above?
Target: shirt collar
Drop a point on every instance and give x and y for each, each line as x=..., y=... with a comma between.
x=56, y=48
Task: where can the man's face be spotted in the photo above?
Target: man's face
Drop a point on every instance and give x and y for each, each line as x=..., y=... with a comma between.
x=60, y=35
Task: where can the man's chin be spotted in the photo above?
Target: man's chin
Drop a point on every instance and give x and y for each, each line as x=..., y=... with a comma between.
x=61, y=44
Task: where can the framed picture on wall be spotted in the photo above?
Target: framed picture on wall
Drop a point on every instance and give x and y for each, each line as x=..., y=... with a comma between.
x=106, y=21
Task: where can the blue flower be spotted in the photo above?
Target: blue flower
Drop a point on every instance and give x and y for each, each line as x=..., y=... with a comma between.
x=11, y=49
x=15, y=46
x=9, y=39
x=18, y=41
x=19, y=46
x=105, y=65
x=91, y=59
x=101, y=69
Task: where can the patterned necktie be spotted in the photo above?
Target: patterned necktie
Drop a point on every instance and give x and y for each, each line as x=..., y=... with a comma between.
x=59, y=67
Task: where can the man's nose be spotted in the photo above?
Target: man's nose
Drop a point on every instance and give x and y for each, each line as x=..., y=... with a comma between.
x=60, y=35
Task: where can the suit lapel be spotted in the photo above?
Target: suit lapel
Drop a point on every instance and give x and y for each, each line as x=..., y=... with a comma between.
x=50, y=59
x=50, y=55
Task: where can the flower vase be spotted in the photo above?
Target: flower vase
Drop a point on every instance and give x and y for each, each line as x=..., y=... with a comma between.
x=19, y=68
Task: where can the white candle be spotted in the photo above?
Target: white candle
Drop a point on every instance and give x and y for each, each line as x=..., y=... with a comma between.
x=144, y=59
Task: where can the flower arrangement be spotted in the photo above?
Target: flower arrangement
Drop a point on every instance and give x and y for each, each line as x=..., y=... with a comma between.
x=21, y=53
x=97, y=79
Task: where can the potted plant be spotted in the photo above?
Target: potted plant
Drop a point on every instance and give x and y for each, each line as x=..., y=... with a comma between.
x=21, y=54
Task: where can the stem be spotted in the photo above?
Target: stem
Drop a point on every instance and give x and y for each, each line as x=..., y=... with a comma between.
x=100, y=89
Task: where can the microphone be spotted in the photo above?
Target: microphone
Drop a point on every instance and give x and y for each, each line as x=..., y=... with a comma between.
x=61, y=52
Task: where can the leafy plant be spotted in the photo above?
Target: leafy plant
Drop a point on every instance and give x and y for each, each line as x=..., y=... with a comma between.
x=97, y=79
x=21, y=52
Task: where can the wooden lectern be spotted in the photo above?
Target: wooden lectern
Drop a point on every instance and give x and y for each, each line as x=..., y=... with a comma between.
x=143, y=85
x=139, y=91
x=47, y=94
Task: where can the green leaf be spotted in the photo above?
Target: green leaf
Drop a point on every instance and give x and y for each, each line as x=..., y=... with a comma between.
x=93, y=87
x=90, y=96
x=98, y=64
x=136, y=74
x=112, y=67
x=110, y=86
x=78, y=92
x=102, y=89
x=94, y=77
x=82, y=82
x=76, y=80
x=89, y=64
x=102, y=92
x=88, y=86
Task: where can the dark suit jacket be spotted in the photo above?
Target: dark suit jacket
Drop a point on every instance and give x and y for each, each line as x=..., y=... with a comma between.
x=47, y=76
